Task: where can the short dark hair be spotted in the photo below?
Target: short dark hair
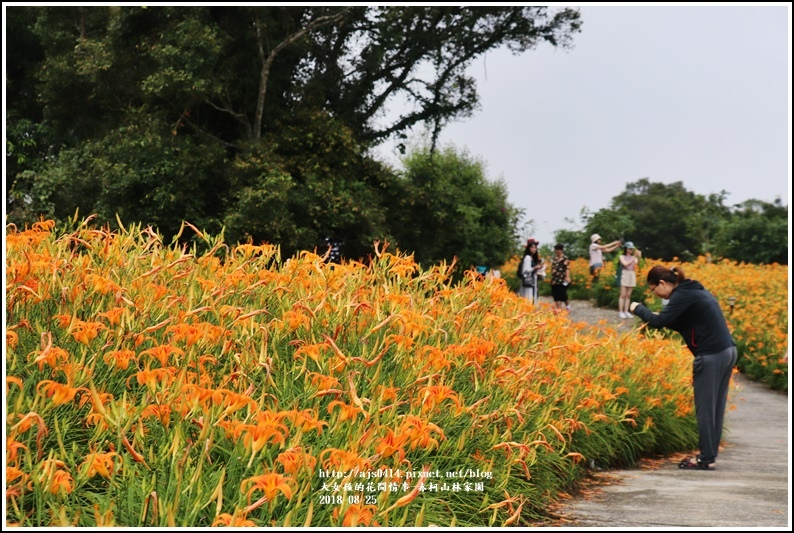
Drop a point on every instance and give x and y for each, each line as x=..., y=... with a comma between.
x=559, y=246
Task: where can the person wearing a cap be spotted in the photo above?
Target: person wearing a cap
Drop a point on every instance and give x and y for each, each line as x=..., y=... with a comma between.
x=628, y=278
x=597, y=253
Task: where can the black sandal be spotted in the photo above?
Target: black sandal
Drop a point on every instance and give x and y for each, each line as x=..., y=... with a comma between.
x=689, y=464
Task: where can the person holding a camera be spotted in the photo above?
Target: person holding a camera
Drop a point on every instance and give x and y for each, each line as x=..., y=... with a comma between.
x=597, y=251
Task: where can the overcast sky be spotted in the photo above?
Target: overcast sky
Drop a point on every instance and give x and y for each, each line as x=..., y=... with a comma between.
x=697, y=94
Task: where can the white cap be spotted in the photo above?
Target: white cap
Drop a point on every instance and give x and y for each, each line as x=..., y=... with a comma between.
x=594, y=237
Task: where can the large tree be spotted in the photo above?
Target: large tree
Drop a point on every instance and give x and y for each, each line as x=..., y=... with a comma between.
x=257, y=118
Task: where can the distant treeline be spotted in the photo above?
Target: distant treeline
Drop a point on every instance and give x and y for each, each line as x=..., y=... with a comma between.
x=666, y=221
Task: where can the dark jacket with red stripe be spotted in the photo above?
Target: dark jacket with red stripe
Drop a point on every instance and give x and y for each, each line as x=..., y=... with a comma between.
x=694, y=313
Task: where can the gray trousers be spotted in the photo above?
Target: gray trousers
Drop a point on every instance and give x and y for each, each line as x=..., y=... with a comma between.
x=711, y=375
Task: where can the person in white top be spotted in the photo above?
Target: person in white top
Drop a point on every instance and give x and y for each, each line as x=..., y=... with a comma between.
x=528, y=270
x=597, y=254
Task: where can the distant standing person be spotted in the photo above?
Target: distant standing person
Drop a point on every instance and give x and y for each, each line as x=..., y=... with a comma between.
x=560, y=277
x=597, y=254
x=695, y=313
x=628, y=278
x=528, y=269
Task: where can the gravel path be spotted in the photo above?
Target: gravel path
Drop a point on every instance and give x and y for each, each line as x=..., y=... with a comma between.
x=585, y=311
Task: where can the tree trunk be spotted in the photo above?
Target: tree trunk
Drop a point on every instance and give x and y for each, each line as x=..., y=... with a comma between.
x=267, y=61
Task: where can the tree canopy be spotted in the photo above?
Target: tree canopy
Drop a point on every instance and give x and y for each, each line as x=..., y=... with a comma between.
x=256, y=119
x=447, y=207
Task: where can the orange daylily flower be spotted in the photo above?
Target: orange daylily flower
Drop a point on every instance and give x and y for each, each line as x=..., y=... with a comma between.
x=271, y=484
x=430, y=397
x=113, y=316
x=229, y=400
x=14, y=380
x=85, y=332
x=162, y=353
x=193, y=333
x=267, y=427
x=53, y=356
x=478, y=350
x=437, y=358
x=321, y=381
x=295, y=319
x=357, y=514
x=59, y=392
x=63, y=320
x=13, y=473
x=420, y=431
x=403, y=341
x=294, y=459
x=347, y=411
x=226, y=519
x=103, y=285
x=157, y=292
x=120, y=358
x=387, y=393
x=162, y=412
x=54, y=478
x=26, y=422
x=12, y=339
x=11, y=450
x=312, y=351
x=403, y=266
x=307, y=420
x=343, y=460
x=99, y=463
x=42, y=225
x=151, y=378
x=390, y=444
x=248, y=250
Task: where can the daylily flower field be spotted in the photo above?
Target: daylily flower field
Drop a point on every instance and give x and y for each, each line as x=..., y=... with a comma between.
x=754, y=299
x=153, y=385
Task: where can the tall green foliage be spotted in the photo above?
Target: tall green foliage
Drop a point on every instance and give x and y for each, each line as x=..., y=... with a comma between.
x=447, y=207
x=756, y=232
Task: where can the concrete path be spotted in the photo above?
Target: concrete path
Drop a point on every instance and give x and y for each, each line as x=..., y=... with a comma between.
x=751, y=487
